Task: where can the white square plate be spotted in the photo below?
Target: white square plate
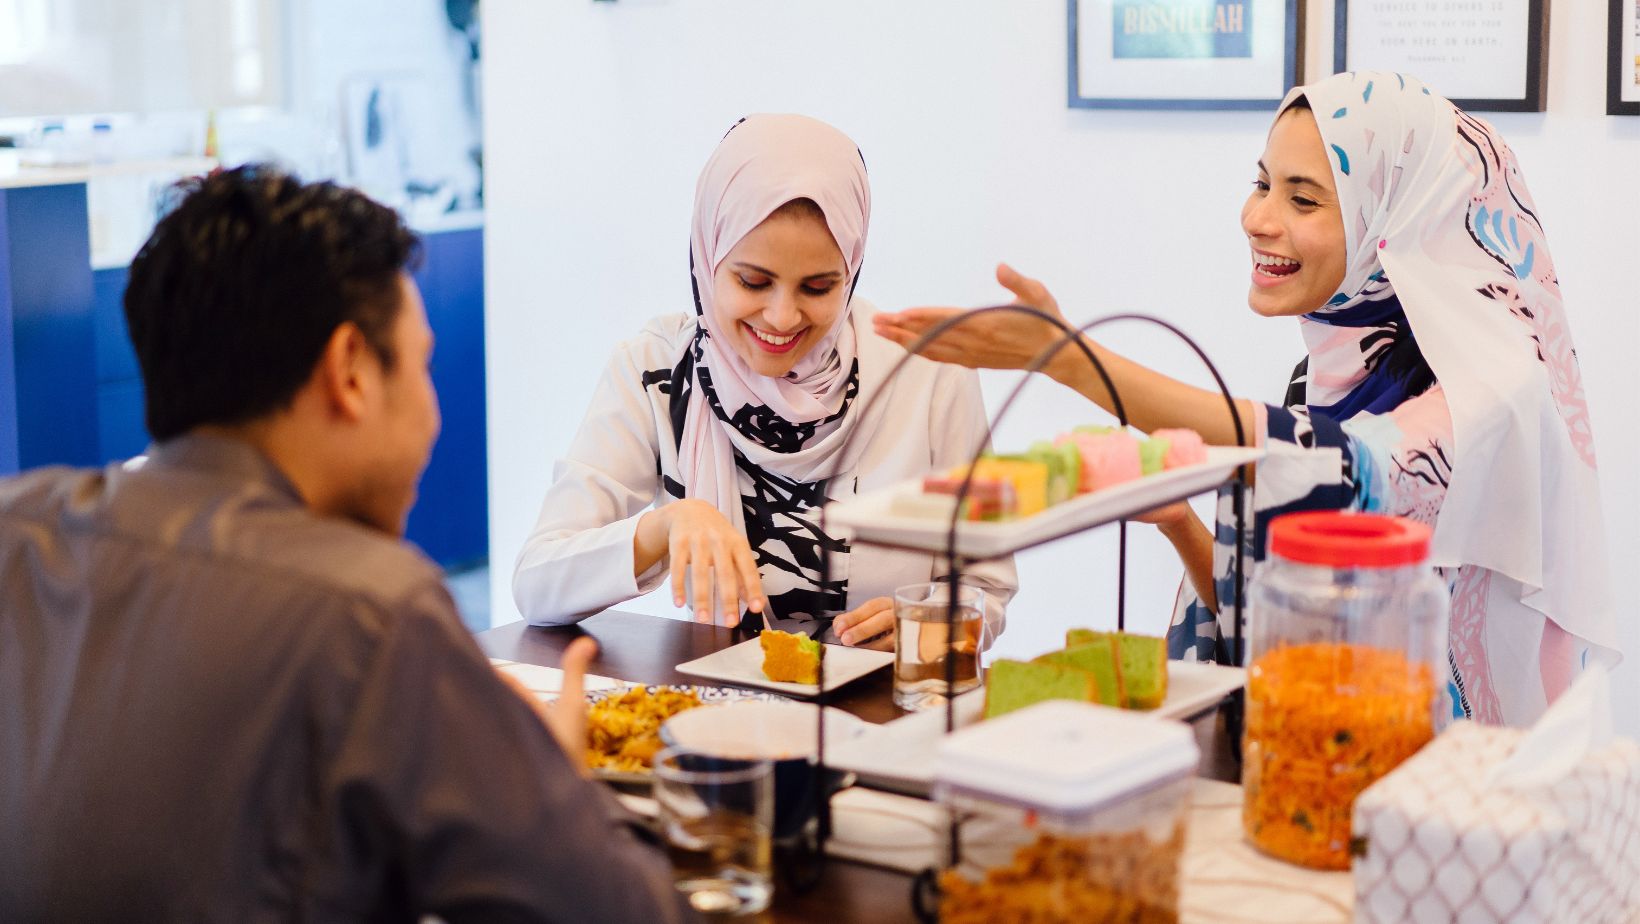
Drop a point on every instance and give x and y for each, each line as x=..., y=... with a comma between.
x=899, y=755
x=742, y=665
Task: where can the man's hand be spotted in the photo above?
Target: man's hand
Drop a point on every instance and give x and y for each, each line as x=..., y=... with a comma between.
x=567, y=717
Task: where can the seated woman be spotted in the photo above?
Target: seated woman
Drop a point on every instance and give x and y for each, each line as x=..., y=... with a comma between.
x=1440, y=382
x=740, y=422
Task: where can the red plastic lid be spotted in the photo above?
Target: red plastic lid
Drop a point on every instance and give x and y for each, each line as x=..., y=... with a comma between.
x=1349, y=540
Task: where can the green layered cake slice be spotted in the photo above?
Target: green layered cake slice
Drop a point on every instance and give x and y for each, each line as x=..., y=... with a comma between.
x=1142, y=662
x=1098, y=658
x=1152, y=454
x=1144, y=669
x=1064, y=468
x=1012, y=685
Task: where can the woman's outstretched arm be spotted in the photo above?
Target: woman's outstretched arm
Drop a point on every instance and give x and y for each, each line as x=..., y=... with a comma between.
x=1010, y=341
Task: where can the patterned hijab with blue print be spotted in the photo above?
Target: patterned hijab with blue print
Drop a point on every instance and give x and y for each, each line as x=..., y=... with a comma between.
x=1449, y=279
x=1363, y=357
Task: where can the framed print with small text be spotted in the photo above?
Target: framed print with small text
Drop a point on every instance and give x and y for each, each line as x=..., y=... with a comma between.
x=1183, y=54
x=1623, y=64
x=1486, y=55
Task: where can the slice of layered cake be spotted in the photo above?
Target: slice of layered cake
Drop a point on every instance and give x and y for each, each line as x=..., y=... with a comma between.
x=1141, y=659
x=1099, y=658
x=790, y=657
x=1014, y=685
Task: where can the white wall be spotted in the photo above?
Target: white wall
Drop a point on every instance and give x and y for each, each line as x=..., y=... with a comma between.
x=599, y=115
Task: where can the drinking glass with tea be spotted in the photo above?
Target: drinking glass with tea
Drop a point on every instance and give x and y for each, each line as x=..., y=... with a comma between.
x=926, y=616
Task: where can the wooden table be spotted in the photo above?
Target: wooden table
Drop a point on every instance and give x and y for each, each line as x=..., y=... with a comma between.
x=647, y=649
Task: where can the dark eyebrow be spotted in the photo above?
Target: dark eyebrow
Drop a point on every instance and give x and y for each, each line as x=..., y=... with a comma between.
x=1296, y=179
x=741, y=264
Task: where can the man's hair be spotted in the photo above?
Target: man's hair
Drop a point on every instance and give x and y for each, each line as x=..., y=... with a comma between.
x=234, y=296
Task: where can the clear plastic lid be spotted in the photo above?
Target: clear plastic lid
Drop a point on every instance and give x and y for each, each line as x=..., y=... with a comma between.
x=1064, y=758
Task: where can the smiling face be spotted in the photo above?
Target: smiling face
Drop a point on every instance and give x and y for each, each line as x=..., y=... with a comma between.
x=1294, y=222
x=780, y=290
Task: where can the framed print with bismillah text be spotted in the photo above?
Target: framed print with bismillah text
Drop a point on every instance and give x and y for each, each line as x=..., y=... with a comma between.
x=1183, y=54
x=1483, y=55
x=1623, y=58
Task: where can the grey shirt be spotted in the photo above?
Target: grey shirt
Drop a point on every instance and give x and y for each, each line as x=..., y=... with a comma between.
x=218, y=706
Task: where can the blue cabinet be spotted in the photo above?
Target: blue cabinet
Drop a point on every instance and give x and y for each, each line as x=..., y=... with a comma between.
x=48, y=403
x=71, y=393
x=451, y=518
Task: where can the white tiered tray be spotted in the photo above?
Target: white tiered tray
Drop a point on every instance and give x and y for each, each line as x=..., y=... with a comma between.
x=872, y=519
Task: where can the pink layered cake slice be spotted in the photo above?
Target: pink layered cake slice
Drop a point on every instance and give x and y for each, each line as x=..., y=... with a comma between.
x=1184, y=447
x=989, y=498
x=1107, y=458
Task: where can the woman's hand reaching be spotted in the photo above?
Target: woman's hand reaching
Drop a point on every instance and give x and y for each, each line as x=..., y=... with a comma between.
x=708, y=557
x=995, y=341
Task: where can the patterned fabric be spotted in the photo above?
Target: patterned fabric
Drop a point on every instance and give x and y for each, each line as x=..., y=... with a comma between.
x=763, y=450
x=1449, y=280
x=1439, y=840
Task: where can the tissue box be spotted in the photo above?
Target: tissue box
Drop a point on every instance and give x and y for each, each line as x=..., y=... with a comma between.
x=1434, y=842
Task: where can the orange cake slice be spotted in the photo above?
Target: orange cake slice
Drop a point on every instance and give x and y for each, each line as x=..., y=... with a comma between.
x=789, y=657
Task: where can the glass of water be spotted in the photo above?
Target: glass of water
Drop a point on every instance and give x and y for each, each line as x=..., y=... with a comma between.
x=921, y=628
x=716, y=814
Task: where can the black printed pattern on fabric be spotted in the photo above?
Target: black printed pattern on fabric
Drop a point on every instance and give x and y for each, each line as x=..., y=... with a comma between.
x=674, y=383
x=759, y=423
x=1394, y=347
x=783, y=528
x=764, y=426
x=781, y=515
x=1391, y=346
x=1298, y=387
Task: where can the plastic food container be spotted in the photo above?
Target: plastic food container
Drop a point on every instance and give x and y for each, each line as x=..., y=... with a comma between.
x=1070, y=812
x=1347, y=647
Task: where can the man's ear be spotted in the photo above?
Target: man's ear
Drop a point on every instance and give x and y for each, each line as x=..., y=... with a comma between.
x=345, y=371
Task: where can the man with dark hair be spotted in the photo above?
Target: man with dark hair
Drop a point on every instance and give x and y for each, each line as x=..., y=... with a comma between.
x=231, y=692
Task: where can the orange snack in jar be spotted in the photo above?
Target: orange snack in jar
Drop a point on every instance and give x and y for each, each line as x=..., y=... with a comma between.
x=1324, y=721
x=1117, y=878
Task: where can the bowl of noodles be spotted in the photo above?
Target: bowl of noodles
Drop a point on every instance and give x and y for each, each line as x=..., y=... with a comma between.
x=623, y=725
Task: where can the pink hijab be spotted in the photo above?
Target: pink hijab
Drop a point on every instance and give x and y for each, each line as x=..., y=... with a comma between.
x=798, y=426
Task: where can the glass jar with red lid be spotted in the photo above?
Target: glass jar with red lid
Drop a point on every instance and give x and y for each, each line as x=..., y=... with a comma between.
x=1346, y=664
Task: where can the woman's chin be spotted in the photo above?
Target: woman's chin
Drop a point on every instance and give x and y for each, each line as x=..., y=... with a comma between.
x=771, y=365
x=1267, y=307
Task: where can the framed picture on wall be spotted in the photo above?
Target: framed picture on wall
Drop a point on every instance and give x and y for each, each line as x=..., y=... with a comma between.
x=1487, y=55
x=1183, y=54
x=1623, y=64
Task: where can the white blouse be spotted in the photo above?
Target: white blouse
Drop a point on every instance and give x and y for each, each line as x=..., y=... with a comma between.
x=578, y=560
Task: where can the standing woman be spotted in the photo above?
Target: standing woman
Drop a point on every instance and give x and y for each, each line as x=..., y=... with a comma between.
x=738, y=422
x=1440, y=383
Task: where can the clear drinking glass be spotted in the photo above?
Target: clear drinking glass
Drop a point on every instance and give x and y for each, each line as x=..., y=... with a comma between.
x=921, y=612
x=717, y=814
